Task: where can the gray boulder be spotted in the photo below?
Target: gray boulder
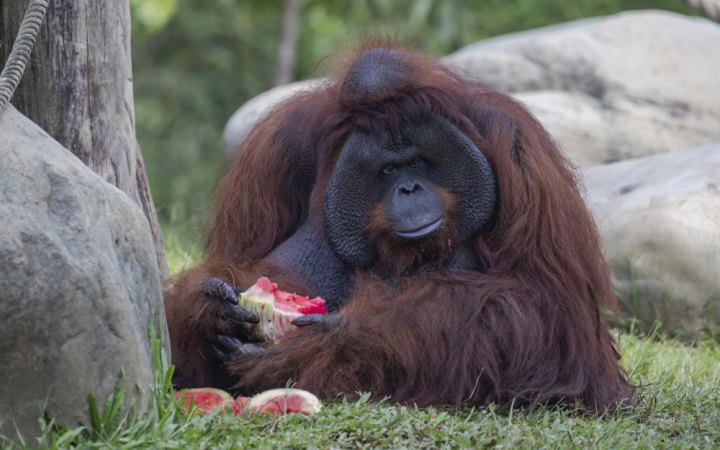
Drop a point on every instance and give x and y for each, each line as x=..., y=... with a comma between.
x=79, y=283
x=612, y=88
x=659, y=217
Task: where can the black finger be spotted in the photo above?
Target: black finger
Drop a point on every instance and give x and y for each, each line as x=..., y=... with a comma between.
x=307, y=320
x=239, y=314
x=229, y=347
x=231, y=344
x=327, y=320
x=217, y=288
x=221, y=353
x=225, y=347
x=235, y=347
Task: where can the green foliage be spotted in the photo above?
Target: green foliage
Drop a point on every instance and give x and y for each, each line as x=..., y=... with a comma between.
x=149, y=16
x=677, y=406
x=195, y=62
x=180, y=254
x=189, y=78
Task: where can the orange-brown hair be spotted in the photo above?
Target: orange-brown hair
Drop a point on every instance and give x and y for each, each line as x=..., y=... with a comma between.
x=530, y=327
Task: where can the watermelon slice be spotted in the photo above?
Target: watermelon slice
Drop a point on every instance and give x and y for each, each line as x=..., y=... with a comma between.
x=274, y=401
x=204, y=399
x=276, y=309
x=278, y=401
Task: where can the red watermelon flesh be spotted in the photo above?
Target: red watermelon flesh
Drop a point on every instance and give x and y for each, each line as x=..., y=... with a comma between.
x=274, y=401
x=277, y=309
x=204, y=399
x=240, y=405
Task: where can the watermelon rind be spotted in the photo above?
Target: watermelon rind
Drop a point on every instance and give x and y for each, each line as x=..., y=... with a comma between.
x=285, y=400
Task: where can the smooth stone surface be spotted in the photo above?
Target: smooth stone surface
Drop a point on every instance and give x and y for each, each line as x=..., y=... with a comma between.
x=659, y=217
x=79, y=283
x=610, y=88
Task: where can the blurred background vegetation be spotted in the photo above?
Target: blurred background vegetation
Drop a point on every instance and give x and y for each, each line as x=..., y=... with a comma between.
x=196, y=62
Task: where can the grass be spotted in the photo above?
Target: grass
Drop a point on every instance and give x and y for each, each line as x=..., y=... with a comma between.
x=182, y=249
x=677, y=406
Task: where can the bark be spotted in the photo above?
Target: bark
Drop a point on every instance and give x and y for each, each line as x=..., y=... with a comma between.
x=78, y=87
x=285, y=65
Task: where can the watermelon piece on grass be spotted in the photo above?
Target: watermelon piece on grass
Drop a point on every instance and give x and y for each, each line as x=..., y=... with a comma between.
x=274, y=401
x=204, y=399
x=276, y=309
x=278, y=401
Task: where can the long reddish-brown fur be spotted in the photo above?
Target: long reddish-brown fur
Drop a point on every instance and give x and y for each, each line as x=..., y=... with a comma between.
x=530, y=327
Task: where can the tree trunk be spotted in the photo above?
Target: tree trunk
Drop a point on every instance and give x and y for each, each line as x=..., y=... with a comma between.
x=78, y=87
x=285, y=65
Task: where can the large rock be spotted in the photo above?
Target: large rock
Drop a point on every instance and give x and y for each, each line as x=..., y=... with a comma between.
x=659, y=217
x=611, y=88
x=79, y=283
x=608, y=89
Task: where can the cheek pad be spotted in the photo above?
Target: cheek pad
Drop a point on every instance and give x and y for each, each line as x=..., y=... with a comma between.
x=461, y=168
x=348, y=201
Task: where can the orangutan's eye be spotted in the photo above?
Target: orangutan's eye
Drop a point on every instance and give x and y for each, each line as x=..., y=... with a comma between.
x=388, y=169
